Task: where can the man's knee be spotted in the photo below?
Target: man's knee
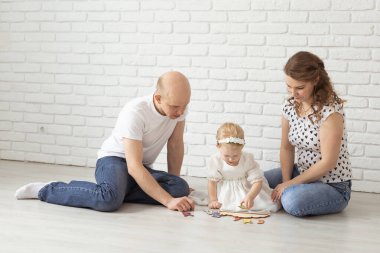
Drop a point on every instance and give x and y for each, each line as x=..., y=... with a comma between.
x=108, y=205
x=178, y=187
x=108, y=200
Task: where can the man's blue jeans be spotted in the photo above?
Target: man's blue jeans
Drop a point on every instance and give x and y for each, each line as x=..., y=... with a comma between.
x=113, y=187
x=315, y=198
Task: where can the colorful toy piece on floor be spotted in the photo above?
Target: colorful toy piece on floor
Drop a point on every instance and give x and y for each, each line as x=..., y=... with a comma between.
x=215, y=214
x=187, y=213
x=260, y=221
x=247, y=221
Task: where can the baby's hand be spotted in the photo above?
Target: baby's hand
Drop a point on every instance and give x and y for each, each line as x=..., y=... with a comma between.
x=247, y=203
x=214, y=204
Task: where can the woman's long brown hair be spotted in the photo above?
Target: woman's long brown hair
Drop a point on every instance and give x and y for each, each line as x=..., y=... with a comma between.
x=307, y=67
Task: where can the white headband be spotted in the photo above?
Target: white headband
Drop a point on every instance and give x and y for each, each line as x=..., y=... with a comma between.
x=231, y=140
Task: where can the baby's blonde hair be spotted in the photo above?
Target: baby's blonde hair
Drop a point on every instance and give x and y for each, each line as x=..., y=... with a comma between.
x=230, y=129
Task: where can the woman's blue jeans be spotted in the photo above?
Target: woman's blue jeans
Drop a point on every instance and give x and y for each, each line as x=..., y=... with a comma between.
x=315, y=198
x=113, y=187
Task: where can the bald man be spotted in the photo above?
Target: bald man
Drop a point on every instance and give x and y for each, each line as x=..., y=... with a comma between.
x=124, y=167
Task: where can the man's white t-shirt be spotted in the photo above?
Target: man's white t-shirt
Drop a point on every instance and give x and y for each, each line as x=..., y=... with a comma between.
x=139, y=120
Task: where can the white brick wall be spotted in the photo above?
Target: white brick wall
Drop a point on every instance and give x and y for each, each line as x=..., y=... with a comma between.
x=67, y=67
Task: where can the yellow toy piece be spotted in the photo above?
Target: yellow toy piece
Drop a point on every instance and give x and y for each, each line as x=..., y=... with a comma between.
x=247, y=221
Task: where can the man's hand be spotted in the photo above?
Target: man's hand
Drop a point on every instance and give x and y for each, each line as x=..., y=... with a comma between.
x=181, y=204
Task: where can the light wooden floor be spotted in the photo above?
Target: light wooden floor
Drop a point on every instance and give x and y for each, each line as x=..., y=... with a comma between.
x=34, y=226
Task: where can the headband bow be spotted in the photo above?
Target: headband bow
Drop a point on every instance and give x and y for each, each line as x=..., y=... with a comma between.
x=231, y=140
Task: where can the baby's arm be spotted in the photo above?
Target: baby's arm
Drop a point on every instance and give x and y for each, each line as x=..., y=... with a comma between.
x=251, y=195
x=212, y=195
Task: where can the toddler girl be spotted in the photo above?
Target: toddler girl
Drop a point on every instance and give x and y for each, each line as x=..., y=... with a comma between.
x=235, y=181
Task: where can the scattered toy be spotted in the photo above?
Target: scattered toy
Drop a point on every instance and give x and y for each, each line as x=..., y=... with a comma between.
x=215, y=214
x=187, y=213
x=237, y=218
x=247, y=221
x=260, y=221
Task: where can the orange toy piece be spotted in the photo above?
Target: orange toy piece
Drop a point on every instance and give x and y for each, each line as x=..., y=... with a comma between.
x=260, y=221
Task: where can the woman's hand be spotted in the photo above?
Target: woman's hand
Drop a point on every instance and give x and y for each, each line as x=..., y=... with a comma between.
x=277, y=192
x=214, y=204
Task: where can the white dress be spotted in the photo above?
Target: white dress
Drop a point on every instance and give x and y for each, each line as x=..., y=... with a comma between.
x=234, y=182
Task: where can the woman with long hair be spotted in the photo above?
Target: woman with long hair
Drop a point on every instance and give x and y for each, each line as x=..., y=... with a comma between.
x=315, y=173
